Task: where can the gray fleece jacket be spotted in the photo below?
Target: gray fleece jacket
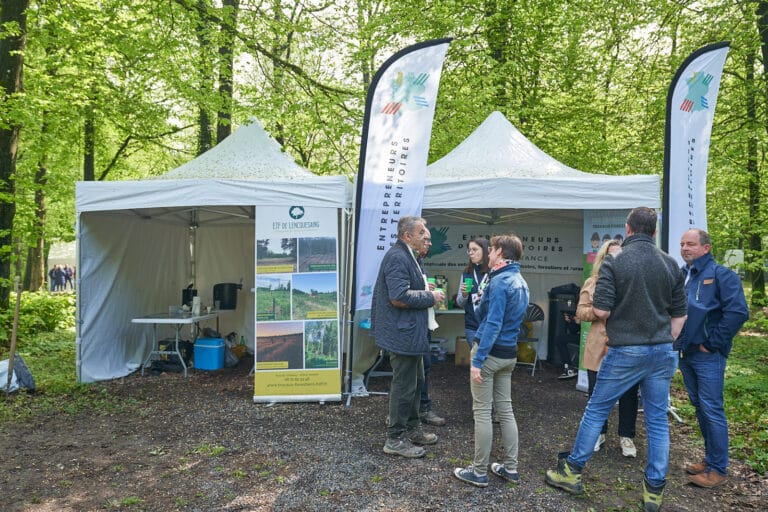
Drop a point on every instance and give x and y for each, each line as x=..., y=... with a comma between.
x=643, y=288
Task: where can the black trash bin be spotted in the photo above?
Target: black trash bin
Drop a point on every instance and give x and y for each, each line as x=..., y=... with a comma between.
x=564, y=337
x=226, y=294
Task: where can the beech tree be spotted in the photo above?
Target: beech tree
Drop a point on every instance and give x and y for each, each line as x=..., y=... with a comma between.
x=13, y=39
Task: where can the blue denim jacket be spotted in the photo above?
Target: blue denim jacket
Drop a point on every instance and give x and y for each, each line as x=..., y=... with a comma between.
x=501, y=311
x=716, y=307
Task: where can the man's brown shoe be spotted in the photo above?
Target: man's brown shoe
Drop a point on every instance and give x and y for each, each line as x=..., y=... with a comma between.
x=707, y=479
x=696, y=468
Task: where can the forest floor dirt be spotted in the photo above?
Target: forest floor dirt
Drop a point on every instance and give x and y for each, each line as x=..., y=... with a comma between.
x=202, y=444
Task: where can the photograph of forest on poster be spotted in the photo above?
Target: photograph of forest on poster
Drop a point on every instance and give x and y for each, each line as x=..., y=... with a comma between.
x=314, y=295
x=321, y=344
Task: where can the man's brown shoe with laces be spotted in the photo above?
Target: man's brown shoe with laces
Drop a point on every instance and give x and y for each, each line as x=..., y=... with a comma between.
x=709, y=478
x=696, y=468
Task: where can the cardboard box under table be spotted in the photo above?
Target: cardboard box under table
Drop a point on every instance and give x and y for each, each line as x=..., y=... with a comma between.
x=461, y=356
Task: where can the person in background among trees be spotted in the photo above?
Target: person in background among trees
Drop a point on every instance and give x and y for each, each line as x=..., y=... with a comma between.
x=57, y=278
x=717, y=309
x=476, y=269
x=62, y=275
x=52, y=278
x=595, y=349
x=68, y=277
x=494, y=355
x=400, y=323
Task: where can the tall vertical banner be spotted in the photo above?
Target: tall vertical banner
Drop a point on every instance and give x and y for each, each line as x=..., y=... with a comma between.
x=399, y=111
x=691, y=102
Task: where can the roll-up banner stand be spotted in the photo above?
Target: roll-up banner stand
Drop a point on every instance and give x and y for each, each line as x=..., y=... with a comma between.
x=297, y=350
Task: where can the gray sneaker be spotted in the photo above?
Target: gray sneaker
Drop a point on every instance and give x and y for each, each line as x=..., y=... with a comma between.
x=430, y=418
x=403, y=448
x=418, y=436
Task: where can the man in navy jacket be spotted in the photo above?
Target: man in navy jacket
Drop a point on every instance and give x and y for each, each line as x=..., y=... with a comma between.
x=400, y=325
x=716, y=311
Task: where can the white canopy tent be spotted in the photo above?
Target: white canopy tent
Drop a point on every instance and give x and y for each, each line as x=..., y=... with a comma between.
x=496, y=166
x=499, y=180
x=141, y=242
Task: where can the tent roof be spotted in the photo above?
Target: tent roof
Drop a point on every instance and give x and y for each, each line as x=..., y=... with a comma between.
x=496, y=166
x=249, y=153
x=247, y=168
x=498, y=149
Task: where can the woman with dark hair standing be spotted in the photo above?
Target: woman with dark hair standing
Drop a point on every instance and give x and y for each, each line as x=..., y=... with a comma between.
x=468, y=298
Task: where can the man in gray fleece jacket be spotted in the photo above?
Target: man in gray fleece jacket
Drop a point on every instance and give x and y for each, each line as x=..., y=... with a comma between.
x=641, y=295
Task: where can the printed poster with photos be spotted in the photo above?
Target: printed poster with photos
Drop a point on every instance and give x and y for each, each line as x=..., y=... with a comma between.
x=297, y=349
x=600, y=226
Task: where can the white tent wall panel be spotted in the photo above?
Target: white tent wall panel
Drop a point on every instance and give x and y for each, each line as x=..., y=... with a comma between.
x=128, y=266
x=228, y=255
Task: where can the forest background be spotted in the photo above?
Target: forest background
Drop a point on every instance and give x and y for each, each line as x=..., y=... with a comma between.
x=128, y=89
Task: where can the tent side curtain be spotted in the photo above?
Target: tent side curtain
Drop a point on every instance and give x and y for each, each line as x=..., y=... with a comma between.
x=318, y=191
x=587, y=193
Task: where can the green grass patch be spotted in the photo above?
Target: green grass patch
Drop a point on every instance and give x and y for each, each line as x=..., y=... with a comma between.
x=50, y=357
x=209, y=450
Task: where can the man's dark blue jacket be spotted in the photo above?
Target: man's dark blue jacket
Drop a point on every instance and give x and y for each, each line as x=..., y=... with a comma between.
x=716, y=307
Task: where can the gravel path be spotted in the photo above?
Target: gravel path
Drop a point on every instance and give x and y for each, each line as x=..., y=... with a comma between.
x=201, y=444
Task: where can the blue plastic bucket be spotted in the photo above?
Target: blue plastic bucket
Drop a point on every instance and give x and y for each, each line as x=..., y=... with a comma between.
x=209, y=353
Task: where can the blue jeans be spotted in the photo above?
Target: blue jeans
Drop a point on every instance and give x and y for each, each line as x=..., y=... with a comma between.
x=627, y=407
x=704, y=375
x=653, y=367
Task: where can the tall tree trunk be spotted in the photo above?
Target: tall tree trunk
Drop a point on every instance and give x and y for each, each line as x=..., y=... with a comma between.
x=226, y=68
x=89, y=145
x=13, y=12
x=755, y=229
x=34, y=275
x=755, y=240
x=205, y=137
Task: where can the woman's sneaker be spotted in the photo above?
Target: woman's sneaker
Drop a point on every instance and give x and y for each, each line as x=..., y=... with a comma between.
x=568, y=373
x=600, y=442
x=627, y=447
x=469, y=476
x=502, y=472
